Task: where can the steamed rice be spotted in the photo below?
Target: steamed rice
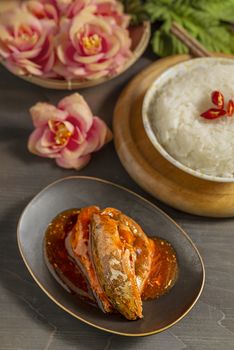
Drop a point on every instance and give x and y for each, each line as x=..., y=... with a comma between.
x=204, y=145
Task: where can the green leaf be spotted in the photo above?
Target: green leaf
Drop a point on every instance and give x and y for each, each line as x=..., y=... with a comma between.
x=209, y=21
x=165, y=44
x=217, y=9
x=136, y=9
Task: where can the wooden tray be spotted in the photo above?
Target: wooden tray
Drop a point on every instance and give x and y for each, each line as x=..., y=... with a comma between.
x=149, y=169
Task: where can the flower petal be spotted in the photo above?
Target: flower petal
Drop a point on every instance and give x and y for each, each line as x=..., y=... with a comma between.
x=76, y=151
x=33, y=139
x=47, y=139
x=73, y=163
x=35, y=144
x=76, y=106
x=42, y=112
x=88, y=59
x=98, y=135
x=97, y=75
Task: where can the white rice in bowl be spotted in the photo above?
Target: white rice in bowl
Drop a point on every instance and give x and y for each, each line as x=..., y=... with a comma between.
x=174, y=112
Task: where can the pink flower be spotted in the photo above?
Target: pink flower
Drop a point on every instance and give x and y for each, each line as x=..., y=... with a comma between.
x=112, y=9
x=45, y=11
x=107, y=8
x=25, y=44
x=91, y=46
x=69, y=132
x=71, y=39
x=69, y=8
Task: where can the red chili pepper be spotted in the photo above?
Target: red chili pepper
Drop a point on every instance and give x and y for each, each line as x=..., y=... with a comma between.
x=230, y=108
x=213, y=113
x=217, y=99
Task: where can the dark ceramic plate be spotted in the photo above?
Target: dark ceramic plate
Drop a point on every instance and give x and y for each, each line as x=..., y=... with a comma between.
x=76, y=192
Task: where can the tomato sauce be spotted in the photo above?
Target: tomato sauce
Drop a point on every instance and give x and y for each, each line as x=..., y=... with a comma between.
x=162, y=277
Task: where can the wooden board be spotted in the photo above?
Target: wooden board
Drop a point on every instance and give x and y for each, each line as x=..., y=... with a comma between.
x=149, y=169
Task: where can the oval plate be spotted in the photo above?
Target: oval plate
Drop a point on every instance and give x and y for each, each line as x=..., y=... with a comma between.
x=79, y=191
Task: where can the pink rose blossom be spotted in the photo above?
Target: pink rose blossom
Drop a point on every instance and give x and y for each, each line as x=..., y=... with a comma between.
x=46, y=12
x=107, y=8
x=69, y=8
x=69, y=132
x=69, y=39
x=112, y=10
x=91, y=46
x=25, y=44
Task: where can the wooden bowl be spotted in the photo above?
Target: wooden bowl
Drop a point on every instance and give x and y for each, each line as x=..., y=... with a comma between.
x=140, y=36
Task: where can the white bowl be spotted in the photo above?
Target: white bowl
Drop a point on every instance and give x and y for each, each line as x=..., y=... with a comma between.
x=169, y=74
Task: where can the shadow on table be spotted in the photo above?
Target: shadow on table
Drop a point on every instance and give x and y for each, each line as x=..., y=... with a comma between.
x=16, y=140
x=35, y=312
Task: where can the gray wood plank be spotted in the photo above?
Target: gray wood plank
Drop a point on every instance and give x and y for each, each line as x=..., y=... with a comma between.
x=28, y=319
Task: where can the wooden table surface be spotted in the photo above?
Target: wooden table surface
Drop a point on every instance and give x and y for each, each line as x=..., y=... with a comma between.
x=28, y=318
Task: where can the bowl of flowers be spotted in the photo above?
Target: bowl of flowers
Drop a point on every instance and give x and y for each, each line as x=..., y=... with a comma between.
x=69, y=44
